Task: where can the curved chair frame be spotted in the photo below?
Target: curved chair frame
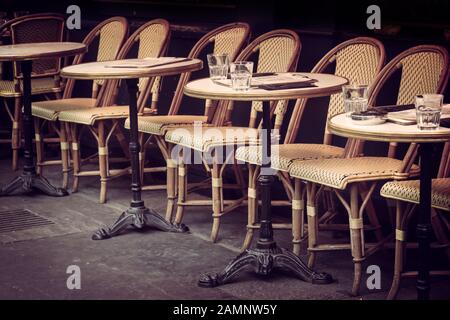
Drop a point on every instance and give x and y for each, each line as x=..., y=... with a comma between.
x=404, y=212
x=15, y=115
x=213, y=110
x=217, y=168
x=99, y=95
x=291, y=134
x=362, y=187
x=98, y=129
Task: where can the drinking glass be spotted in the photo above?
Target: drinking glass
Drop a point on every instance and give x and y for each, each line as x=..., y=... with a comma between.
x=218, y=66
x=355, y=98
x=241, y=75
x=428, y=111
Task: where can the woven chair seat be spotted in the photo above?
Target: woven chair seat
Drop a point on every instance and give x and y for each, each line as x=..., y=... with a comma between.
x=50, y=109
x=90, y=115
x=158, y=125
x=38, y=86
x=203, y=139
x=410, y=191
x=337, y=173
x=287, y=153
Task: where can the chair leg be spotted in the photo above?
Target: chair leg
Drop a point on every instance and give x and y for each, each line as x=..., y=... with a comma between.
x=217, y=199
x=64, y=154
x=120, y=137
x=239, y=176
x=371, y=213
x=399, y=251
x=252, y=208
x=182, y=188
x=16, y=132
x=297, y=216
x=313, y=225
x=39, y=145
x=357, y=238
x=75, y=155
x=102, y=160
x=171, y=184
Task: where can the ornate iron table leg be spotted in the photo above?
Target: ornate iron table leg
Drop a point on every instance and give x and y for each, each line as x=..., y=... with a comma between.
x=29, y=180
x=267, y=256
x=137, y=215
x=423, y=228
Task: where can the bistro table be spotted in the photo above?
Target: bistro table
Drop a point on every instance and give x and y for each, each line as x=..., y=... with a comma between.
x=267, y=255
x=390, y=132
x=25, y=53
x=137, y=215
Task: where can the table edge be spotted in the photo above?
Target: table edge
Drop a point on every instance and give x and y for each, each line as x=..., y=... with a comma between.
x=198, y=65
x=83, y=48
x=307, y=93
x=385, y=137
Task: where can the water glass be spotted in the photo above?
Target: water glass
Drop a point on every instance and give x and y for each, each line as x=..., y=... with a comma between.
x=241, y=75
x=428, y=111
x=218, y=66
x=355, y=98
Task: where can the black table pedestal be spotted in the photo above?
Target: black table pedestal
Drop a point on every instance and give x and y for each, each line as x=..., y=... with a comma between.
x=137, y=215
x=423, y=229
x=29, y=181
x=267, y=256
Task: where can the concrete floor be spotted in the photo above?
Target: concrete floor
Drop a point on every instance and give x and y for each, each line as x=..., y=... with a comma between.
x=151, y=264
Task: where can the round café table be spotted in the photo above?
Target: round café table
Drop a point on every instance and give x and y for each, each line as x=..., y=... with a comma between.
x=25, y=53
x=390, y=132
x=137, y=215
x=267, y=255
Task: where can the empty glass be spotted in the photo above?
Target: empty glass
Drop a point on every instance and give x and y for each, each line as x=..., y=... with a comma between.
x=241, y=75
x=428, y=111
x=218, y=66
x=355, y=98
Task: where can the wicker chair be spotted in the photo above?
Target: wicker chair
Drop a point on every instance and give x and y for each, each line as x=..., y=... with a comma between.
x=110, y=35
x=359, y=60
x=285, y=46
x=153, y=39
x=229, y=39
x=45, y=74
x=409, y=192
x=429, y=63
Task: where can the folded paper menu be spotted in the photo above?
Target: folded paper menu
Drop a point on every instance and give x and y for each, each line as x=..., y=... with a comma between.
x=281, y=79
x=144, y=63
x=409, y=116
x=274, y=80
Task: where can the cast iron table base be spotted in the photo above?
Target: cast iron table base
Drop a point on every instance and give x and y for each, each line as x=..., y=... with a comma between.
x=267, y=256
x=137, y=215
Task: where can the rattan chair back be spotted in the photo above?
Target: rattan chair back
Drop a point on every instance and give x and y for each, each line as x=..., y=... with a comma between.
x=152, y=40
x=275, y=51
x=229, y=38
x=51, y=29
x=110, y=35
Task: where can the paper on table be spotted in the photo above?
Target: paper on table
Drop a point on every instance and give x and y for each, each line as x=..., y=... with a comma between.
x=276, y=79
x=280, y=79
x=410, y=115
x=143, y=63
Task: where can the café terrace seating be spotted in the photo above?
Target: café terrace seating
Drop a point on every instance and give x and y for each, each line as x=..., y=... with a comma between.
x=278, y=51
x=103, y=121
x=343, y=177
x=45, y=77
x=358, y=60
x=407, y=196
x=108, y=36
